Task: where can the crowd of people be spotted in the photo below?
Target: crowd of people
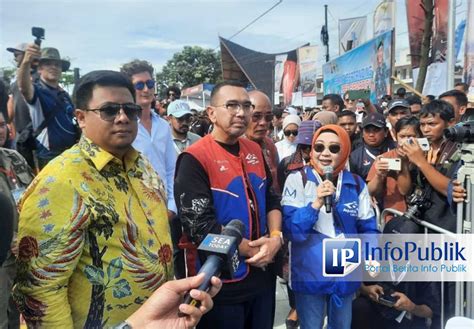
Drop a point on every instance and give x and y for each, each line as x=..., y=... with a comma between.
x=109, y=191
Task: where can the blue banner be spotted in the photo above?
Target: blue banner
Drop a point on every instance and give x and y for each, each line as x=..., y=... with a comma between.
x=368, y=66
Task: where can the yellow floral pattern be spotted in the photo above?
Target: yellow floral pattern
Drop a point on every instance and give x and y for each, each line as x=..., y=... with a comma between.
x=94, y=239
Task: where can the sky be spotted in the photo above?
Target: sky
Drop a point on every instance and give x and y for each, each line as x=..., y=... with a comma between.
x=106, y=34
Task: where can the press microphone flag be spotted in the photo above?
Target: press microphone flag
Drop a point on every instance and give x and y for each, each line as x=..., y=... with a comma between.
x=222, y=256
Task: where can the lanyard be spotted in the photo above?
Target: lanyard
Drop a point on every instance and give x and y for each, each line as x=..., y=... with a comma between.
x=370, y=154
x=178, y=150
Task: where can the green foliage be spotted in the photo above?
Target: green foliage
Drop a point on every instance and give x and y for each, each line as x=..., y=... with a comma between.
x=8, y=74
x=67, y=79
x=189, y=67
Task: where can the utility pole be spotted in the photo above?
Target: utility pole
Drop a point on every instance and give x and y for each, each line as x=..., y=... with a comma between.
x=326, y=31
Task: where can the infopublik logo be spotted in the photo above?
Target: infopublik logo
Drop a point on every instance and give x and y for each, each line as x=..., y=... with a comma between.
x=340, y=256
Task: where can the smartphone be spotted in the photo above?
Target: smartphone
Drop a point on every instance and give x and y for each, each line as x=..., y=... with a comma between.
x=387, y=300
x=358, y=94
x=424, y=143
x=393, y=164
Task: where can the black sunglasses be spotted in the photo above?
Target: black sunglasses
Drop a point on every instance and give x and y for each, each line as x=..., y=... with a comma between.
x=290, y=132
x=333, y=148
x=140, y=85
x=257, y=117
x=109, y=111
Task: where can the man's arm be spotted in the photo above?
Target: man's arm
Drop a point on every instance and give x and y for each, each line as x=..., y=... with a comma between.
x=194, y=199
x=50, y=243
x=24, y=75
x=405, y=304
x=170, y=158
x=437, y=180
x=269, y=245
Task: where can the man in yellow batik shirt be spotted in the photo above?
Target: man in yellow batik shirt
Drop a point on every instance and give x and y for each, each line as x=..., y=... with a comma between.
x=93, y=236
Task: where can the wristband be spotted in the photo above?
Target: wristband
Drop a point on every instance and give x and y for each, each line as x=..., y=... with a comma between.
x=276, y=233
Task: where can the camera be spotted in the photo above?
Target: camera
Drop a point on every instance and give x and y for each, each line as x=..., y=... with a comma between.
x=416, y=202
x=463, y=132
x=38, y=33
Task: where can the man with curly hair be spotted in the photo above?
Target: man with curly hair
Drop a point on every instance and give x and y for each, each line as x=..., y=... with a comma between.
x=154, y=134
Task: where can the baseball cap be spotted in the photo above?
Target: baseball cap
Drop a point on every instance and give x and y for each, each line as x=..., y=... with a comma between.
x=374, y=119
x=398, y=103
x=178, y=108
x=20, y=48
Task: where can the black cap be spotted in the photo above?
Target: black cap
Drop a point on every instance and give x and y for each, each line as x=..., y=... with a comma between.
x=398, y=103
x=374, y=119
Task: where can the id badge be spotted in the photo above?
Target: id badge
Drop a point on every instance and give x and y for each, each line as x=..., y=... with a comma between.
x=17, y=193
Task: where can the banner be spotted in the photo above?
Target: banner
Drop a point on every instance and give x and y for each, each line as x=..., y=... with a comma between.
x=416, y=21
x=469, y=50
x=352, y=33
x=278, y=76
x=289, y=81
x=307, y=60
x=384, y=17
x=368, y=66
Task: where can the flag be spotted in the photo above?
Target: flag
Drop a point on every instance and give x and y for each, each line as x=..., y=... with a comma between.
x=352, y=33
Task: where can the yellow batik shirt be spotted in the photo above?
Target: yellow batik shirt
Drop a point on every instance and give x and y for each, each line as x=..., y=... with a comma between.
x=94, y=239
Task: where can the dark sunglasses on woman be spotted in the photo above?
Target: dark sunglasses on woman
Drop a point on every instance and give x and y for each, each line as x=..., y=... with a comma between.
x=333, y=148
x=287, y=133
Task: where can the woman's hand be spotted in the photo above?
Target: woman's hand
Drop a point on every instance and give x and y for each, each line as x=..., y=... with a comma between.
x=324, y=189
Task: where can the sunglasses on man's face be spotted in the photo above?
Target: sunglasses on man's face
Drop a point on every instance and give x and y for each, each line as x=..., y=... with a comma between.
x=257, y=117
x=333, y=148
x=109, y=111
x=140, y=85
x=287, y=133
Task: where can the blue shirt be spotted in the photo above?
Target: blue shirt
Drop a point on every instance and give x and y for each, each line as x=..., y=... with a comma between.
x=60, y=133
x=158, y=148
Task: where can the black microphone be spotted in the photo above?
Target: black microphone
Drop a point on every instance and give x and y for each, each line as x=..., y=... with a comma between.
x=327, y=175
x=6, y=225
x=222, y=251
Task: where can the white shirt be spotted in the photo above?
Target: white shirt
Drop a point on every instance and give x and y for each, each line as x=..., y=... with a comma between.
x=158, y=147
x=285, y=148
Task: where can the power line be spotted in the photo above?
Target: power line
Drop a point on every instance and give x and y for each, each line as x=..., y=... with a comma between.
x=256, y=19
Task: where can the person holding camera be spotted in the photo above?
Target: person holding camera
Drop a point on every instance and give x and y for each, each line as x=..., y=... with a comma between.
x=436, y=174
x=390, y=170
x=396, y=304
x=53, y=128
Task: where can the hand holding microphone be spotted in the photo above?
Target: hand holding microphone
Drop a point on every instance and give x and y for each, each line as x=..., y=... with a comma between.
x=325, y=191
x=222, y=252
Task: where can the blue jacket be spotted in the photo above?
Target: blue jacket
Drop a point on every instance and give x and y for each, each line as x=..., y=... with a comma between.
x=301, y=227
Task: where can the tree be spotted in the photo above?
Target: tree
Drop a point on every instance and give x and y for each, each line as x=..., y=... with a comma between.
x=189, y=67
x=8, y=74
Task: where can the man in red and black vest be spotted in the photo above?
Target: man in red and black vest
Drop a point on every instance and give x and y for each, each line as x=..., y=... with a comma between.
x=223, y=177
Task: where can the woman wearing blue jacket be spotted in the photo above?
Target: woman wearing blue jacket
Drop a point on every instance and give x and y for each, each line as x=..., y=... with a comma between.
x=307, y=223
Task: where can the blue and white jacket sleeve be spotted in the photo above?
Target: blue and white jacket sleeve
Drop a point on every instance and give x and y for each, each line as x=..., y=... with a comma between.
x=298, y=215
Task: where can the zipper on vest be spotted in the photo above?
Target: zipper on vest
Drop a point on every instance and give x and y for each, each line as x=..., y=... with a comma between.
x=253, y=205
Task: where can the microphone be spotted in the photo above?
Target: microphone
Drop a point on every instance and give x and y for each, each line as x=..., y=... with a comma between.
x=222, y=251
x=327, y=175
